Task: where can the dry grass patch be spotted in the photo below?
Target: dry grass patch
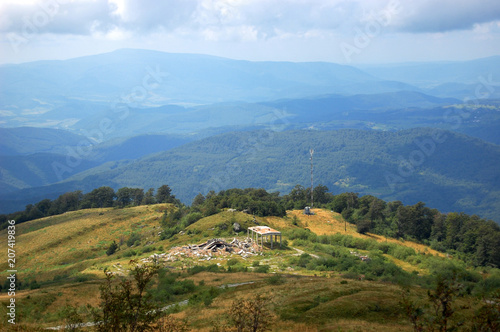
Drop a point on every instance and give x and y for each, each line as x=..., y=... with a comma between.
x=57, y=243
x=325, y=222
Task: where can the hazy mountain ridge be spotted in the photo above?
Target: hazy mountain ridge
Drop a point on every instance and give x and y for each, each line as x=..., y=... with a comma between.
x=29, y=140
x=461, y=174
x=176, y=77
x=22, y=167
x=430, y=74
x=80, y=95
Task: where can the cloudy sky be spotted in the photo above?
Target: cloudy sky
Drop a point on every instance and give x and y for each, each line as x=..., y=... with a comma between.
x=341, y=31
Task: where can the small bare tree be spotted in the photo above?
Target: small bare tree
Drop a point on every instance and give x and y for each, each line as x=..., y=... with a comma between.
x=125, y=306
x=251, y=315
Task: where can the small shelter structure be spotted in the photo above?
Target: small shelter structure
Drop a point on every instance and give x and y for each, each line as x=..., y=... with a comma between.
x=265, y=232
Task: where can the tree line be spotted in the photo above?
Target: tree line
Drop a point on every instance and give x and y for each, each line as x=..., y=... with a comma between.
x=102, y=197
x=475, y=240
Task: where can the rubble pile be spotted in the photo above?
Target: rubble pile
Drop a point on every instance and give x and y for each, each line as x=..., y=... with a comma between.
x=208, y=250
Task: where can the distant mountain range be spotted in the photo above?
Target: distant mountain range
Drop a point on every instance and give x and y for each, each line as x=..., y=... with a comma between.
x=432, y=74
x=145, y=118
x=61, y=93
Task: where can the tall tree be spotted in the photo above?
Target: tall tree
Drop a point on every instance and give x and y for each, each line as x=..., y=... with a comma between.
x=164, y=194
x=99, y=198
x=149, y=197
x=137, y=195
x=415, y=221
x=198, y=200
x=123, y=196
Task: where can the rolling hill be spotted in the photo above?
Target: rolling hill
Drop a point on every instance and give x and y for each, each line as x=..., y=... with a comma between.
x=316, y=272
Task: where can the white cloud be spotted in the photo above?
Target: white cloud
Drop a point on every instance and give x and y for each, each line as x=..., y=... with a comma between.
x=264, y=17
x=446, y=15
x=294, y=29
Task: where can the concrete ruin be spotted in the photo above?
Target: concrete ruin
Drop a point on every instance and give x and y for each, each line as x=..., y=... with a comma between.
x=265, y=232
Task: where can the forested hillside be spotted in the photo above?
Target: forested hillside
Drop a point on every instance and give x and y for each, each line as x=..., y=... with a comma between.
x=454, y=172
x=476, y=240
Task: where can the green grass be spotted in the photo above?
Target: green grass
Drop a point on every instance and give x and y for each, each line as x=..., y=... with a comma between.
x=66, y=256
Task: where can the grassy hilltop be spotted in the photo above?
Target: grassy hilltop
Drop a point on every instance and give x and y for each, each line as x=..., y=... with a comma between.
x=316, y=281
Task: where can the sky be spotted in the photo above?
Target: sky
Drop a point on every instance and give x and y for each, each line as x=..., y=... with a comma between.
x=340, y=31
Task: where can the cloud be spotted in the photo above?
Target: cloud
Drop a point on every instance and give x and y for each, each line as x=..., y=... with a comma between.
x=239, y=19
x=430, y=16
x=147, y=15
x=58, y=17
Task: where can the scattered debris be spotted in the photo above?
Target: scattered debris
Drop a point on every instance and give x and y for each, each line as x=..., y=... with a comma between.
x=207, y=251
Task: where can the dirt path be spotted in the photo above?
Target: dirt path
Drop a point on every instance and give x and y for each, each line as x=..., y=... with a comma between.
x=300, y=252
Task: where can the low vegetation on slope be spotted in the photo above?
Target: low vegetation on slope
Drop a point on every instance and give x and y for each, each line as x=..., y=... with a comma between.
x=326, y=275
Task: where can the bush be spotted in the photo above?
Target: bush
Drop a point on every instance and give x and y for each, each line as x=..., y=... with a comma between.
x=148, y=249
x=276, y=279
x=402, y=253
x=129, y=253
x=206, y=297
x=199, y=268
x=251, y=315
x=304, y=259
x=191, y=218
x=34, y=285
x=232, y=262
x=363, y=226
x=262, y=269
x=112, y=249
x=123, y=306
x=82, y=278
x=134, y=237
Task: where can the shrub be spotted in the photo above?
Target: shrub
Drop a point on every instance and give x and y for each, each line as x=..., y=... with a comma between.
x=363, y=226
x=276, y=279
x=129, y=253
x=123, y=306
x=34, y=285
x=402, y=253
x=133, y=239
x=199, y=268
x=148, y=249
x=232, y=262
x=251, y=315
x=191, y=218
x=262, y=269
x=206, y=297
x=112, y=248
